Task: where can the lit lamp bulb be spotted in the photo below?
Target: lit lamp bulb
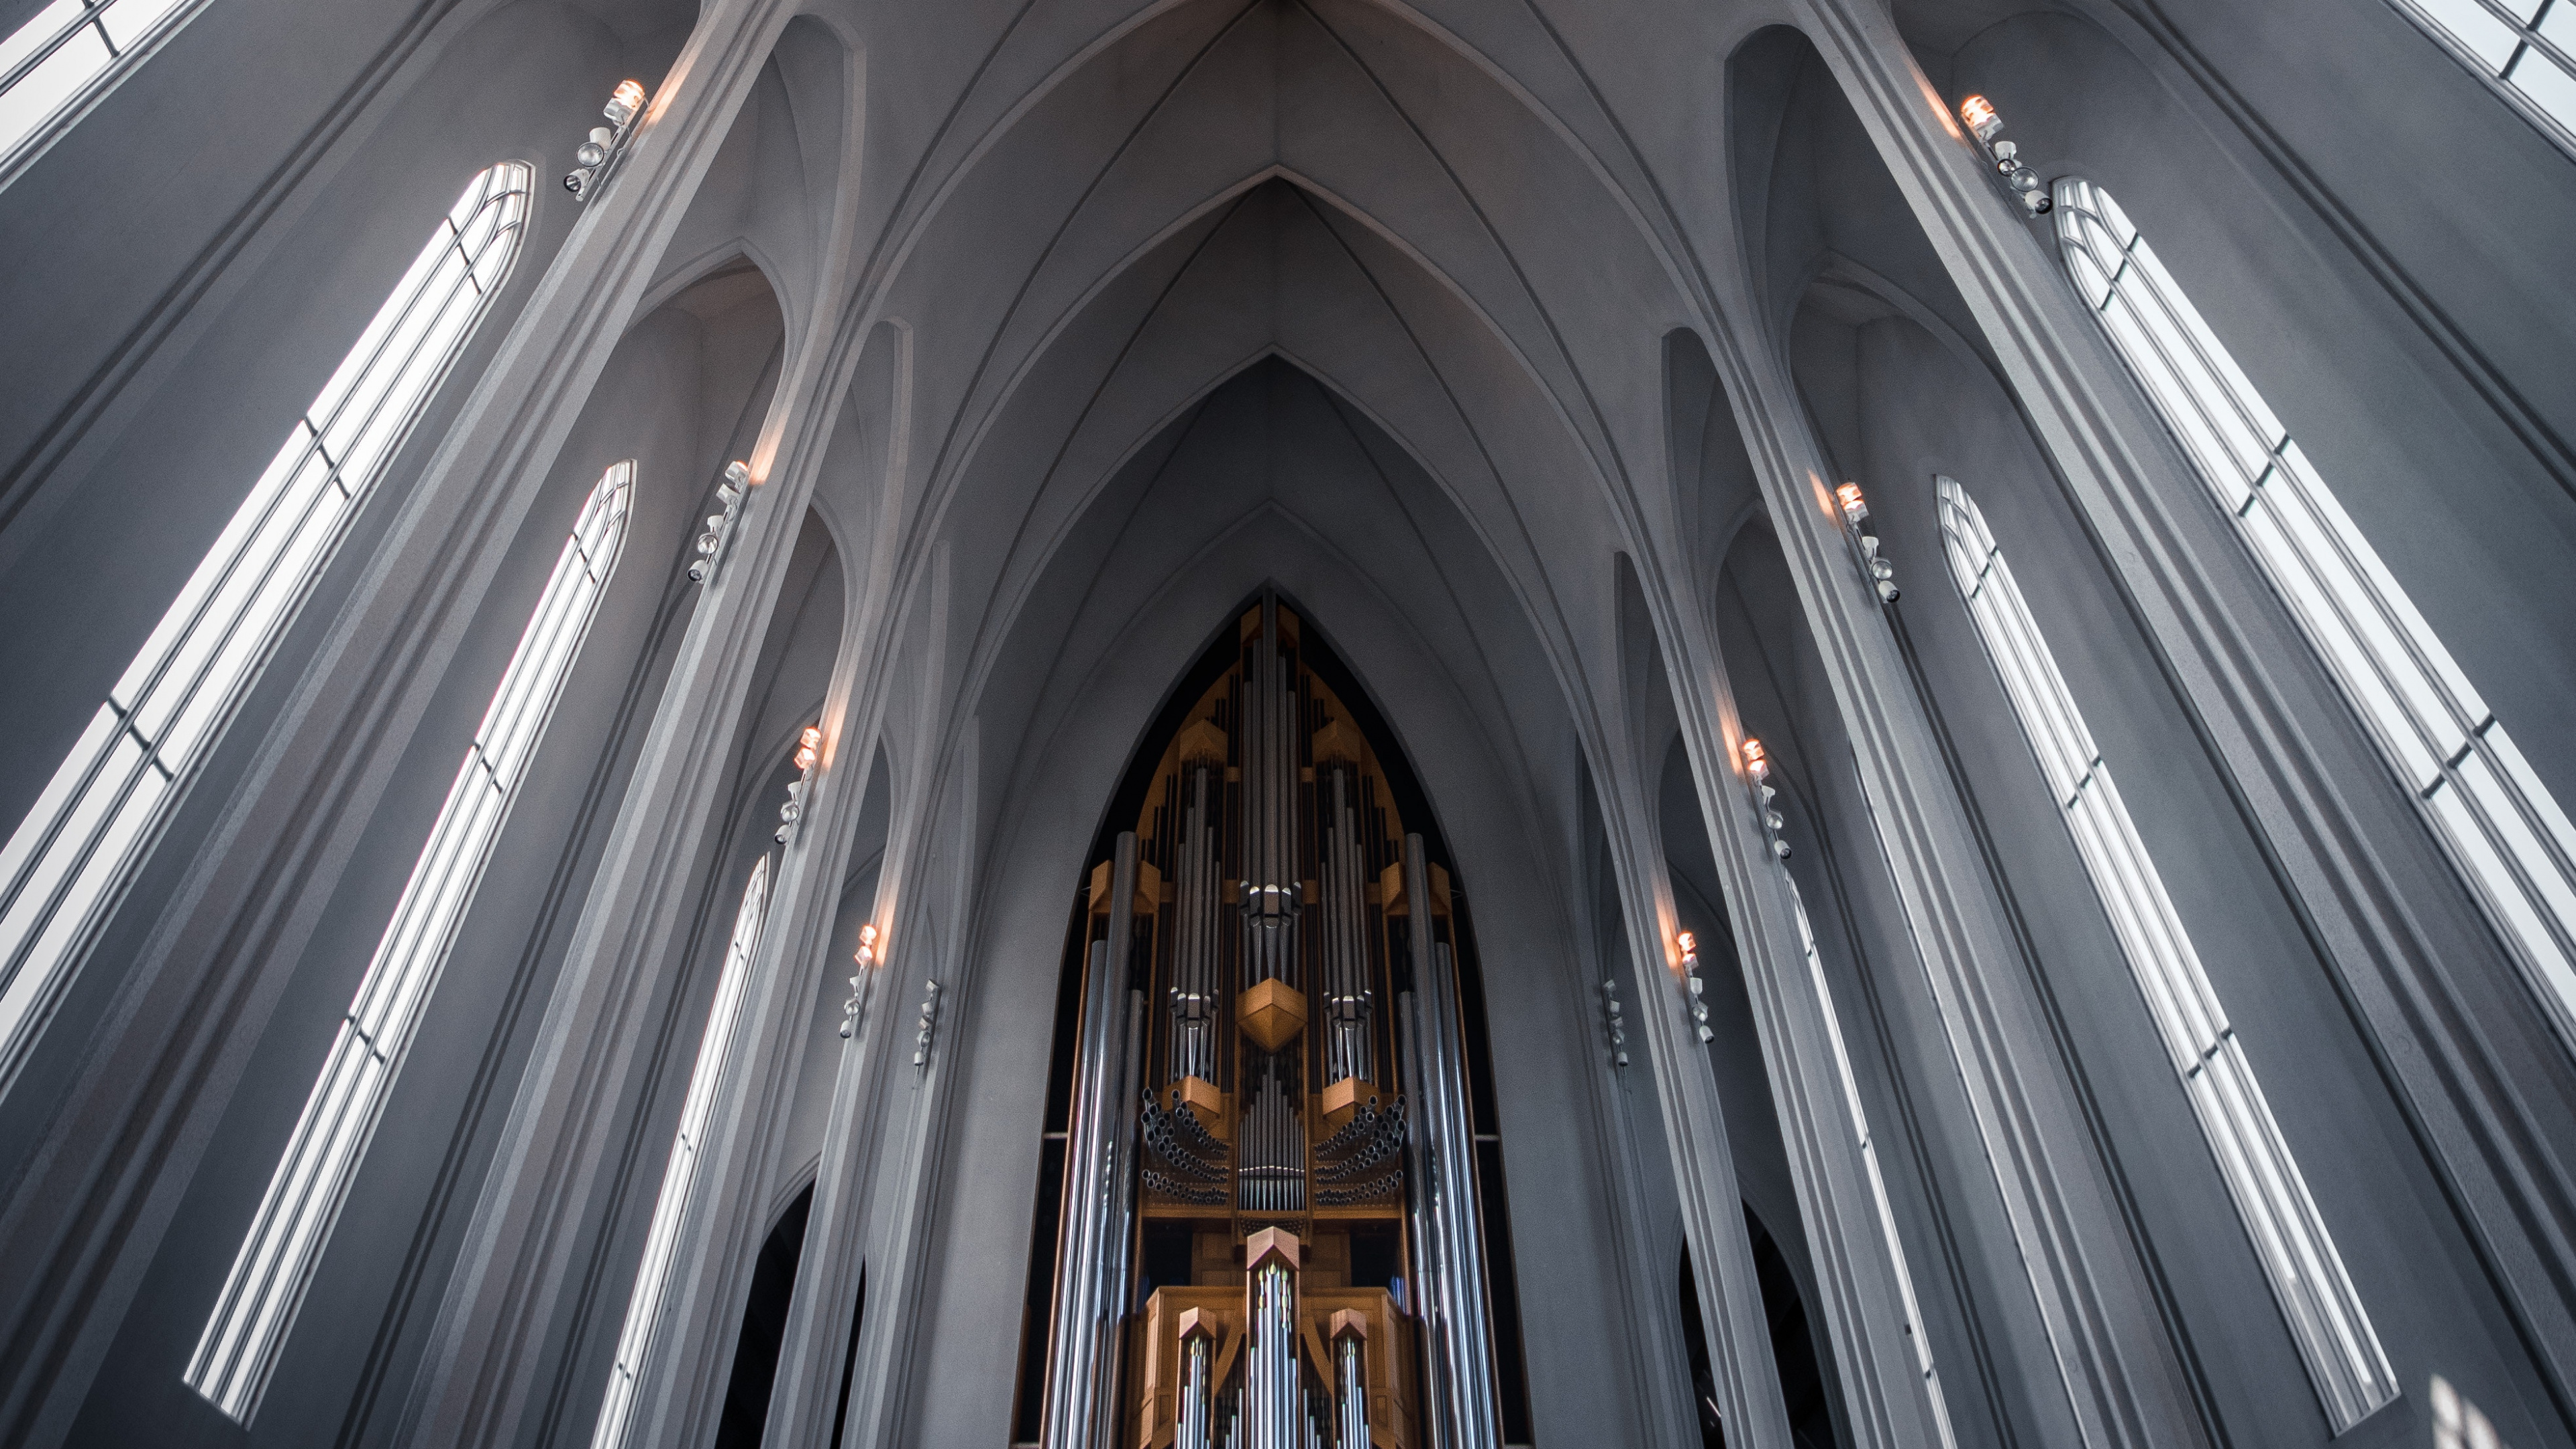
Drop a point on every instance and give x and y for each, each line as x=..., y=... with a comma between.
x=1979, y=115
x=867, y=954
x=1754, y=763
x=624, y=103
x=807, y=744
x=1849, y=496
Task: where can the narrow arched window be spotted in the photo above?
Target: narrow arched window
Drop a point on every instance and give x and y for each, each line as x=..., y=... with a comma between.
x=55, y=67
x=2525, y=50
x=1877, y=1180
x=662, y=1239
x=2333, y=1332
x=240, y=1345
x=2494, y=816
x=69, y=860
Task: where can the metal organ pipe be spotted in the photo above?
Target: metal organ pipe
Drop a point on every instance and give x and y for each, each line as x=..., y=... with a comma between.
x=1448, y=1270
x=1347, y=1048
x=1274, y=1407
x=1269, y=728
x=1195, y=925
x=1198, y=1407
x=1082, y=1368
x=1354, y=1415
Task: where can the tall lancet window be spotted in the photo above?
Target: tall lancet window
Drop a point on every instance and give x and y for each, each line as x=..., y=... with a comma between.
x=1877, y=1180
x=68, y=55
x=2333, y=1331
x=69, y=860
x=662, y=1239
x=2498, y=821
x=239, y=1348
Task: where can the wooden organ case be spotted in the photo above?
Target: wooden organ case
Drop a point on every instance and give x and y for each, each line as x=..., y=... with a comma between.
x=1270, y=1237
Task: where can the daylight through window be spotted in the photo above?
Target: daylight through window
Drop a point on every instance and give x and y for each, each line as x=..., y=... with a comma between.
x=2529, y=46
x=2497, y=819
x=70, y=858
x=662, y=1239
x=240, y=1345
x=1877, y=1181
x=2334, y=1335
x=67, y=53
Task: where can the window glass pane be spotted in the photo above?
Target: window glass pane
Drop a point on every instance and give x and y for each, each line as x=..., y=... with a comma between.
x=46, y=26
x=128, y=21
x=2490, y=38
x=2549, y=87
x=45, y=85
x=240, y=1344
x=208, y=647
x=62, y=53
x=2548, y=897
x=2502, y=40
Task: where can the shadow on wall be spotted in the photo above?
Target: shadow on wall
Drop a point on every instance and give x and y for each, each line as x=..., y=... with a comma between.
x=1802, y=1383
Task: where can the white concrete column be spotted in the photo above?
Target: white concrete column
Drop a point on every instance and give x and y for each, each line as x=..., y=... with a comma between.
x=1861, y=1298
x=2124, y=1380
x=1694, y=1121
x=2496, y=1117
x=880, y=1138
x=88, y=1217
x=525, y=1244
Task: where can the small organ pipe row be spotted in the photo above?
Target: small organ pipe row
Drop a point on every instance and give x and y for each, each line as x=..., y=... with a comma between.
x=1272, y=1174
x=1198, y=917
x=1269, y=728
x=1345, y=934
x=1198, y=1407
x=1354, y=1392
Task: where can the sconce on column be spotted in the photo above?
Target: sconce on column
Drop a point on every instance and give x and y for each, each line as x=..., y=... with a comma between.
x=866, y=956
x=2018, y=181
x=1689, y=945
x=1757, y=769
x=1612, y=1021
x=729, y=496
x=598, y=155
x=1858, y=531
x=809, y=753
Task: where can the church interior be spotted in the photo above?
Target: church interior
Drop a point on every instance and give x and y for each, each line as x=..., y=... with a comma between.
x=1288, y=724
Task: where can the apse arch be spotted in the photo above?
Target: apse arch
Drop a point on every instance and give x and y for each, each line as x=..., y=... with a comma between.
x=1308, y=1104
x=1063, y=714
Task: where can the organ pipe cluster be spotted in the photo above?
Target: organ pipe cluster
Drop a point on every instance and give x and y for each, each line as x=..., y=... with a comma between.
x=1279, y=1178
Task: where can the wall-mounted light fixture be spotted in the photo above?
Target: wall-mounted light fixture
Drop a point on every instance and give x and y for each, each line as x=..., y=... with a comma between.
x=2020, y=182
x=809, y=752
x=1875, y=570
x=1612, y=1020
x=597, y=156
x=1691, y=983
x=729, y=495
x=1757, y=768
x=866, y=956
x=929, y=1024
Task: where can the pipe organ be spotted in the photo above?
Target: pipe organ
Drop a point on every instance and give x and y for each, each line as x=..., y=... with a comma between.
x=1270, y=1235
